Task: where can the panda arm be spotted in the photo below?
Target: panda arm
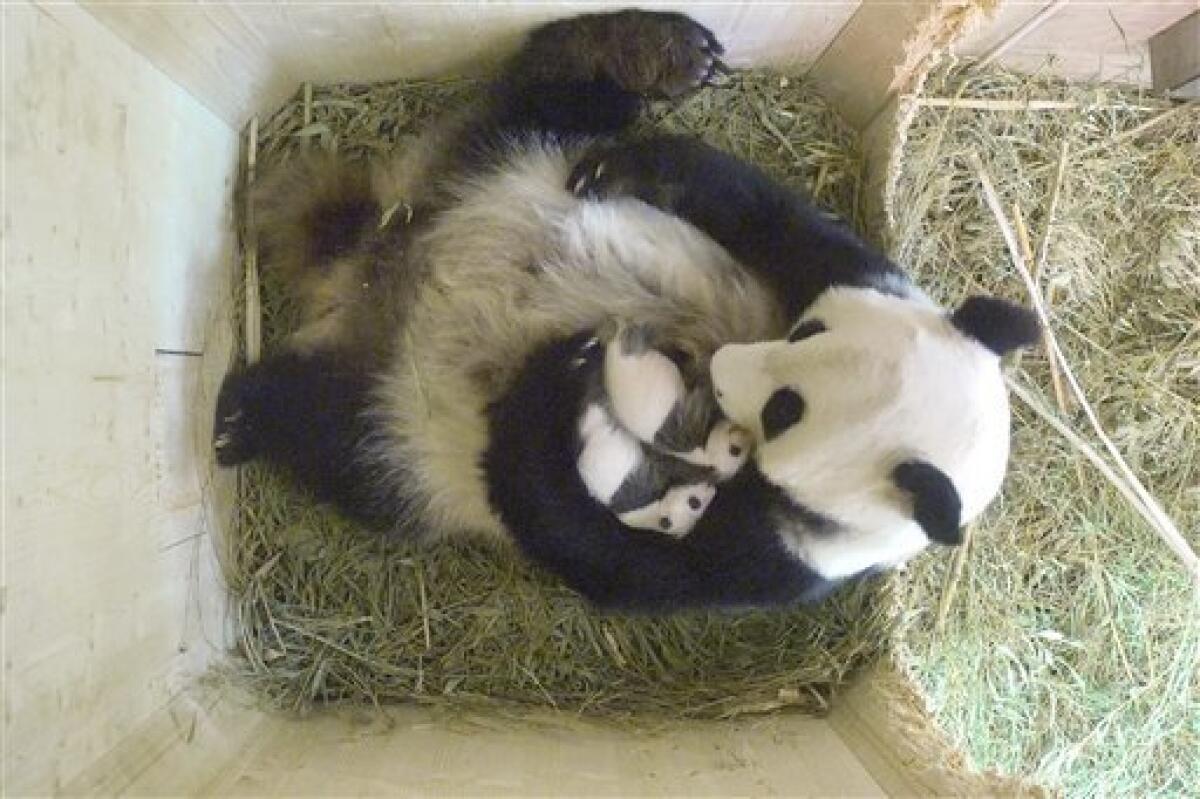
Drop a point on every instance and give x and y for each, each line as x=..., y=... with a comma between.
x=733, y=557
x=766, y=226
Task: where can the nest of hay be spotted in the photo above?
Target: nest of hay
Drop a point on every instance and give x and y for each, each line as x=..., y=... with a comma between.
x=1066, y=647
x=328, y=613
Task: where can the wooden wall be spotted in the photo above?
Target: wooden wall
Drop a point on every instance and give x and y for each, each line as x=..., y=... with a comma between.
x=245, y=58
x=1080, y=39
x=221, y=746
x=117, y=255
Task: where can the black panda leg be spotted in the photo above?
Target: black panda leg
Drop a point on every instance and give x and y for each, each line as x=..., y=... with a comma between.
x=305, y=413
x=766, y=226
x=587, y=75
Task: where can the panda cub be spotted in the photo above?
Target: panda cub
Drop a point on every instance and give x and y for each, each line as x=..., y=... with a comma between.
x=649, y=448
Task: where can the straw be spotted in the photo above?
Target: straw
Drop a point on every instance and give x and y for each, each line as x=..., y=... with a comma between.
x=327, y=613
x=1070, y=652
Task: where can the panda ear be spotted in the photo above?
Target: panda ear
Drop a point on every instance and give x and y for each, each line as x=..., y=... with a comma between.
x=936, y=504
x=997, y=324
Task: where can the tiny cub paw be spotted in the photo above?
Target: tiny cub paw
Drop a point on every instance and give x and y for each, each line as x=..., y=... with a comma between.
x=728, y=448
x=676, y=513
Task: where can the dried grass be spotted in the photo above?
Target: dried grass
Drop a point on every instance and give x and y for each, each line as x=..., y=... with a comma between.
x=326, y=613
x=1071, y=651
x=1063, y=647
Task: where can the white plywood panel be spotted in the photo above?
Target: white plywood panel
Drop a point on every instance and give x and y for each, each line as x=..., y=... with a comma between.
x=857, y=70
x=1175, y=53
x=1085, y=40
x=218, y=742
x=241, y=58
x=117, y=244
x=334, y=756
x=411, y=751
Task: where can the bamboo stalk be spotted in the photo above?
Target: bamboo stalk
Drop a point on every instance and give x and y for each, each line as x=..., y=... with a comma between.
x=253, y=298
x=1133, y=133
x=950, y=589
x=984, y=104
x=1020, y=33
x=1039, y=262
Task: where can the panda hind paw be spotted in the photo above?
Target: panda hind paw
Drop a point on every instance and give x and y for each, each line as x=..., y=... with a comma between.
x=234, y=441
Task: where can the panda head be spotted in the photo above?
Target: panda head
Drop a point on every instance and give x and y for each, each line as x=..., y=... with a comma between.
x=883, y=415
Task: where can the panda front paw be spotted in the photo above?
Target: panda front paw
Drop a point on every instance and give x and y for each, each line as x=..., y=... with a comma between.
x=626, y=170
x=591, y=177
x=676, y=513
x=728, y=448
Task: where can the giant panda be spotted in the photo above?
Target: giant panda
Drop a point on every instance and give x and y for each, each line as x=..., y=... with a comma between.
x=432, y=387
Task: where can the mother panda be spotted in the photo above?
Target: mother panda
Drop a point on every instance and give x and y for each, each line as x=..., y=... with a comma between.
x=432, y=387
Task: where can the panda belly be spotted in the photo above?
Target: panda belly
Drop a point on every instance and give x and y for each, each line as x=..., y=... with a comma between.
x=518, y=261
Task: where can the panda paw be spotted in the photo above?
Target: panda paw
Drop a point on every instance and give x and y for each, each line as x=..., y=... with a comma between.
x=728, y=448
x=233, y=431
x=663, y=55
x=623, y=170
x=676, y=513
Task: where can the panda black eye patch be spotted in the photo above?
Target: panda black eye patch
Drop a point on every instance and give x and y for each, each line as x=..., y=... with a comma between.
x=784, y=409
x=809, y=327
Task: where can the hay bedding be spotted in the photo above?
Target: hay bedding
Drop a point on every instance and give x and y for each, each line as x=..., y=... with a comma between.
x=1068, y=646
x=1064, y=646
x=326, y=613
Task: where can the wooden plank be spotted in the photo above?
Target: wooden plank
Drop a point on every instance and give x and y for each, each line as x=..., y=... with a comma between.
x=119, y=246
x=1027, y=27
x=343, y=754
x=1188, y=91
x=1175, y=54
x=886, y=725
x=1081, y=41
x=245, y=58
x=207, y=48
x=857, y=70
x=214, y=742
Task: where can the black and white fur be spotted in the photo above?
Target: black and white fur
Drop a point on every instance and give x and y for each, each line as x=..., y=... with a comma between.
x=431, y=387
x=651, y=449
